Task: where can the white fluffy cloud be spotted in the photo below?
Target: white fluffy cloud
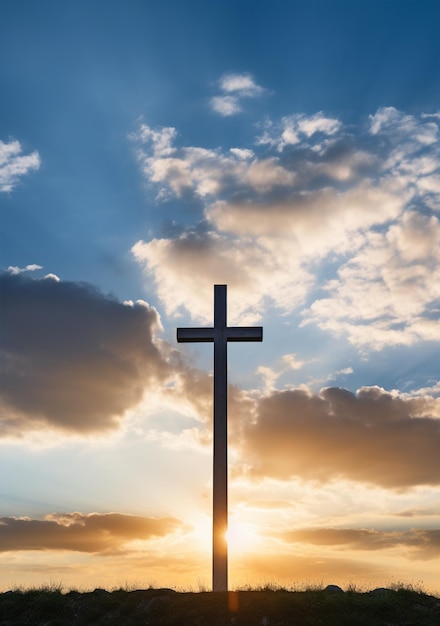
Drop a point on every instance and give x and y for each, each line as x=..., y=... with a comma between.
x=203, y=172
x=225, y=105
x=294, y=129
x=234, y=88
x=387, y=293
x=14, y=269
x=14, y=165
x=243, y=84
x=186, y=268
x=309, y=191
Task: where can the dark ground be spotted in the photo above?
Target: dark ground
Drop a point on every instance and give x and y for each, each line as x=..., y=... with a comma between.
x=165, y=607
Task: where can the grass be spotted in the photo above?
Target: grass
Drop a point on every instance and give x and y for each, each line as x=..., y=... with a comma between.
x=268, y=605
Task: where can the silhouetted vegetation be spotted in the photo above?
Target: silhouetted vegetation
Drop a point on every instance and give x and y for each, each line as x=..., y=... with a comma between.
x=266, y=607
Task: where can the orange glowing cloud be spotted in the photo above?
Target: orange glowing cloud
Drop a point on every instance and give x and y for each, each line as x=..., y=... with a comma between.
x=372, y=437
x=93, y=533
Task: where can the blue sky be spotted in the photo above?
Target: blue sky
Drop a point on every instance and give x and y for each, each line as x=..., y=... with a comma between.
x=149, y=150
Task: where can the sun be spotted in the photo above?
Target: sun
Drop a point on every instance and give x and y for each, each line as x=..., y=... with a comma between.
x=242, y=537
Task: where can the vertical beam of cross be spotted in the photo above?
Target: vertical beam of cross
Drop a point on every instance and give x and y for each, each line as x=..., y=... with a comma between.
x=220, y=334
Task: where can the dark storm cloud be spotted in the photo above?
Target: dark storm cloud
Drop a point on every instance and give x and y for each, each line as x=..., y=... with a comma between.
x=97, y=533
x=371, y=436
x=72, y=358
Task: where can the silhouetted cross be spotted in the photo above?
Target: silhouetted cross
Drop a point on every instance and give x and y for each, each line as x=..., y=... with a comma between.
x=220, y=334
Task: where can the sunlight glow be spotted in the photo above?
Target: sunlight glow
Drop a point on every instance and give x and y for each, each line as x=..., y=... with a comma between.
x=241, y=537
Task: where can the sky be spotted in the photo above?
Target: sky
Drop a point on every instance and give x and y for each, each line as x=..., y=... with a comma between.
x=150, y=150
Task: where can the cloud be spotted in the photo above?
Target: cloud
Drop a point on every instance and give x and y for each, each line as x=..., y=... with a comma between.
x=75, y=361
x=372, y=436
x=225, y=105
x=14, y=269
x=91, y=533
x=294, y=129
x=345, y=371
x=317, y=221
x=185, y=269
x=433, y=511
x=243, y=84
x=397, y=126
x=388, y=292
x=309, y=192
x=161, y=140
x=202, y=172
x=235, y=87
x=71, y=358
x=271, y=375
x=412, y=151
x=423, y=543
x=14, y=165
x=242, y=153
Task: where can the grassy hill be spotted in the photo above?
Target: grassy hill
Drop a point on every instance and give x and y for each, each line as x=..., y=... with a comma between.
x=165, y=607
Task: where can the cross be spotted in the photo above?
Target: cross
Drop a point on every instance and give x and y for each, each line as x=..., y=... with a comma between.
x=220, y=334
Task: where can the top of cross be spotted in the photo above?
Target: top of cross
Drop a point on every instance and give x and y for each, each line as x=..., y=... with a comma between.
x=220, y=331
